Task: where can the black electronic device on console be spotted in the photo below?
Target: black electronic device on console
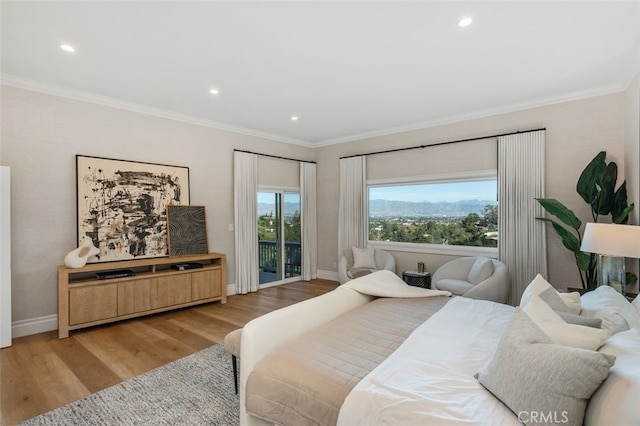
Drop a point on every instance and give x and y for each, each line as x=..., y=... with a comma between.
x=120, y=273
x=186, y=265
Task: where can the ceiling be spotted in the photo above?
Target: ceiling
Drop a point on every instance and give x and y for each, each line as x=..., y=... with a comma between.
x=347, y=70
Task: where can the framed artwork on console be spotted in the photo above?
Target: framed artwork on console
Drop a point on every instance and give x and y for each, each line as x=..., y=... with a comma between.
x=187, y=230
x=122, y=206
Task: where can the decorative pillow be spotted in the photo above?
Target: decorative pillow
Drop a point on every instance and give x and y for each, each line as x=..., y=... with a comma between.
x=539, y=284
x=572, y=300
x=636, y=303
x=570, y=318
x=616, y=401
x=551, y=297
x=364, y=258
x=481, y=270
x=534, y=377
x=615, y=310
x=562, y=333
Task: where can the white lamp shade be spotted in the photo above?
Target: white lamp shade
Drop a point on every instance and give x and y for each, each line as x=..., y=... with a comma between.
x=611, y=239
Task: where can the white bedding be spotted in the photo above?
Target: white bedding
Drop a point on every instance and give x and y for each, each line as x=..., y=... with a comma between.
x=387, y=284
x=429, y=378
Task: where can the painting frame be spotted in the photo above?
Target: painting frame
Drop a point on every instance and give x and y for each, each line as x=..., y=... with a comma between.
x=121, y=206
x=187, y=230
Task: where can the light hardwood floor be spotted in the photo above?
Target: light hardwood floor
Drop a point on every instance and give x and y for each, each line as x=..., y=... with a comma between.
x=40, y=372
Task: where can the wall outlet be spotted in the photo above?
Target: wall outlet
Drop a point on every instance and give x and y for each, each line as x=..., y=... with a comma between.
x=231, y=227
x=335, y=265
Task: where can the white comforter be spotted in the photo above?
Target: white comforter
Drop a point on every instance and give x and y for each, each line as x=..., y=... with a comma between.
x=387, y=284
x=429, y=378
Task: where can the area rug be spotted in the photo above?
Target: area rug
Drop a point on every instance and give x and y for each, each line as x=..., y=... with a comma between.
x=195, y=390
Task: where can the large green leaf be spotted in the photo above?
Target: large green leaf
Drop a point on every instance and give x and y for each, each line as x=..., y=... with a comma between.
x=606, y=196
x=620, y=210
x=569, y=240
x=623, y=216
x=584, y=261
x=586, y=185
x=560, y=211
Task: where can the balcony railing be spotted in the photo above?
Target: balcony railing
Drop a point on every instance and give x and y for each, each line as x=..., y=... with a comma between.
x=268, y=258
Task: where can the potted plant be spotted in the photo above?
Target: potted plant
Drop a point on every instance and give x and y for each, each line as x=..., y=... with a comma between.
x=597, y=187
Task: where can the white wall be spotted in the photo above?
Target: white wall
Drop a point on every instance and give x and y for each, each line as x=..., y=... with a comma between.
x=632, y=160
x=5, y=257
x=576, y=132
x=41, y=135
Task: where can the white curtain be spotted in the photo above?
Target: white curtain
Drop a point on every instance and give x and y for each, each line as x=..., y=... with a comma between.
x=353, y=203
x=308, y=221
x=523, y=243
x=245, y=178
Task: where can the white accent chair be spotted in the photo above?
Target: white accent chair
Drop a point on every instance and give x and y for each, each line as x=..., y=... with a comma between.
x=347, y=272
x=473, y=277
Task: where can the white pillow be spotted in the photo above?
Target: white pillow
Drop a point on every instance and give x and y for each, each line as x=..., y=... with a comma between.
x=364, y=258
x=481, y=270
x=539, y=284
x=616, y=401
x=615, y=310
x=636, y=303
x=562, y=333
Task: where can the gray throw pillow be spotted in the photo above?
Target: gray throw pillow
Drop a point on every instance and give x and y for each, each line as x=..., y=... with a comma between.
x=541, y=382
x=580, y=320
x=551, y=298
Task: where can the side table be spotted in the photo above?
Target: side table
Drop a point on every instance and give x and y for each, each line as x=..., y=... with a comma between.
x=417, y=279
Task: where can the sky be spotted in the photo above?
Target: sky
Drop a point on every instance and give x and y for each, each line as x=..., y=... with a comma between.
x=486, y=190
x=268, y=198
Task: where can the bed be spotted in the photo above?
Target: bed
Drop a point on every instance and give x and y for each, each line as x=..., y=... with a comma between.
x=376, y=351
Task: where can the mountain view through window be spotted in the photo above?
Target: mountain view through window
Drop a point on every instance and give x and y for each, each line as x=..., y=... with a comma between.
x=458, y=213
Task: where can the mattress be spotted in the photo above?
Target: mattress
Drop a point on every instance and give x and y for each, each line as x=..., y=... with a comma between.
x=306, y=381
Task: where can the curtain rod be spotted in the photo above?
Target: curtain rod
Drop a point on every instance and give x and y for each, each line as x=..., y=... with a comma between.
x=443, y=143
x=274, y=156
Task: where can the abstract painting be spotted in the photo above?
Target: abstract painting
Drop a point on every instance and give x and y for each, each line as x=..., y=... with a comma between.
x=187, y=230
x=122, y=205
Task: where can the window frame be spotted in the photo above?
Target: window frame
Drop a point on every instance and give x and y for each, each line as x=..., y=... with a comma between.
x=452, y=177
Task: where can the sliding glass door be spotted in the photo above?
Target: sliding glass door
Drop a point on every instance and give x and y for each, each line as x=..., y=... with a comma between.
x=279, y=242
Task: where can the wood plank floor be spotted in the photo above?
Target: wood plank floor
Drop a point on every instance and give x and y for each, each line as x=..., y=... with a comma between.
x=40, y=372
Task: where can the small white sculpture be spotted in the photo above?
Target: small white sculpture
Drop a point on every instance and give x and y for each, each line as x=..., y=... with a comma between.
x=78, y=258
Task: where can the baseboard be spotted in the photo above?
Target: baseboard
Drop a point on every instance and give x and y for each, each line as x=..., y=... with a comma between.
x=328, y=275
x=34, y=326
x=232, y=289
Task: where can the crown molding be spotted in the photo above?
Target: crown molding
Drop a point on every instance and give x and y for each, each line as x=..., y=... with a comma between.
x=474, y=115
x=78, y=95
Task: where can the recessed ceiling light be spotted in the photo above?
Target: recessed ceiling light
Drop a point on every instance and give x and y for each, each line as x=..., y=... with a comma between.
x=294, y=118
x=465, y=22
x=214, y=91
x=67, y=48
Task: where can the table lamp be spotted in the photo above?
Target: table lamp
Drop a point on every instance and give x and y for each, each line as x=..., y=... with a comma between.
x=612, y=243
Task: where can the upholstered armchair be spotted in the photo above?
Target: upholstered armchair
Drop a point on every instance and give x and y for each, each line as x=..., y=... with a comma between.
x=364, y=262
x=473, y=277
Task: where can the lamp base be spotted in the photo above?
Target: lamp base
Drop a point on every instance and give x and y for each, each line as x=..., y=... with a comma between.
x=611, y=272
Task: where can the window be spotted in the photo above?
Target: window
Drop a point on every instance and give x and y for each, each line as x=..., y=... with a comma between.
x=456, y=211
